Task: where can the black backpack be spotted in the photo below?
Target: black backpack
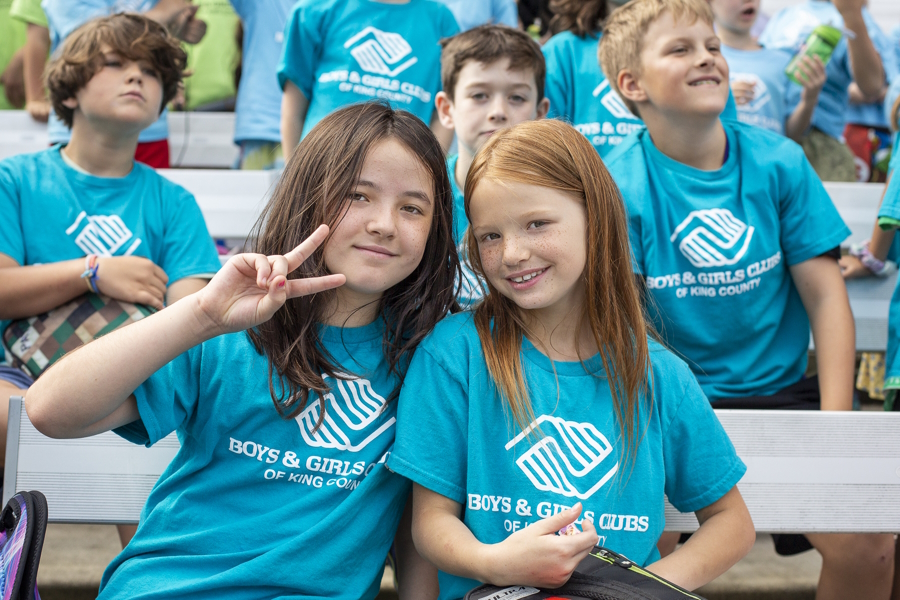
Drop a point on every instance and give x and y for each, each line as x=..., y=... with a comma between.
x=602, y=575
x=22, y=526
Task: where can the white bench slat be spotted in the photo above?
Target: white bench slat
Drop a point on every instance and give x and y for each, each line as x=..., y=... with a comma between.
x=812, y=471
x=807, y=471
x=100, y=479
x=196, y=139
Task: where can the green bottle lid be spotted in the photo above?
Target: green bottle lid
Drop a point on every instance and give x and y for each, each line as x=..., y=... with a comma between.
x=830, y=35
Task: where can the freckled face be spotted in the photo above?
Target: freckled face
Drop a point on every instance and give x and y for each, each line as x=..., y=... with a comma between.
x=381, y=239
x=532, y=243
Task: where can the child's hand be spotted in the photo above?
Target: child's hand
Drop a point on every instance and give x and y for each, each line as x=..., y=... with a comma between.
x=852, y=268
x=536, y=556
x=132, y=279
x=251, y=287
x=744, y=91
x=186, y=26
x=811, y=71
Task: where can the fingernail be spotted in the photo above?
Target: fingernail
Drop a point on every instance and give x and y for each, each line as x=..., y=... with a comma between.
x=281, y=285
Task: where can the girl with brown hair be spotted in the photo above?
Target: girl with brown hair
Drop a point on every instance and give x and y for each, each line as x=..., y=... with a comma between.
x=280, y=377
x=551, y=403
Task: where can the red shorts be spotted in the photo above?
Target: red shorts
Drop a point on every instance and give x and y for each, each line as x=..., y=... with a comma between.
x=153, y=154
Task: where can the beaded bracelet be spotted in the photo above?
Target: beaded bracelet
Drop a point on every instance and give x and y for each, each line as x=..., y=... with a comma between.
x=91, y=266
x=879, y=268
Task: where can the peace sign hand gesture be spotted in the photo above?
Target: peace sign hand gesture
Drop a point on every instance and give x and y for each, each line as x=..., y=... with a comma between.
x=251, y=287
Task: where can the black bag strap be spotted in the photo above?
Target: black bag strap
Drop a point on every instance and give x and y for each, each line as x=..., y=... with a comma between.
x=32, y=552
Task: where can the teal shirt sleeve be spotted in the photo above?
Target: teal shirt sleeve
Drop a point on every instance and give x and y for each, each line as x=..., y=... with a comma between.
x=432, y=428
x=188, y=249
x=12, y=242
x=166, y=400
x=700, y=461
x=303, y=41
x=810, y=224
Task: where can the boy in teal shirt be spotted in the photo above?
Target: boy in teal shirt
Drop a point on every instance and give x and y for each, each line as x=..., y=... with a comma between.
x=492, y=78
x=735, y=237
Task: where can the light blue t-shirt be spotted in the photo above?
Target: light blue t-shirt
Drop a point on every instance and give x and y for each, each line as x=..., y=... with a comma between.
x=715, y=248
x=258, y=109
x=52, y=213
x=580, y=94
x=765, y=68
x=472, y=289
x=472, y=13
x=338, y=52
x=64, y=17
x=788, y=30
x=256, y=506
x=872, y=114
x=455, y=437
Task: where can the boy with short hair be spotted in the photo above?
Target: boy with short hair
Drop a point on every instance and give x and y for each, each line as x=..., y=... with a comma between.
x=735, y=236
x=492, y=78
x=90, y=198
x=758, y=79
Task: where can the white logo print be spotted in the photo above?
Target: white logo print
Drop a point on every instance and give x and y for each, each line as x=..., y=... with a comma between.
x=612, y=102
x=567, y=461
x=761, y=95
x=379, y=51
x=103, y=235
x=357, y=408
x=715, y=238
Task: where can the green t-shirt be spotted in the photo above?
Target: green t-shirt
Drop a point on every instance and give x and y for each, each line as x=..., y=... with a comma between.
x=29, y=11
x=214, y=59
x=12, y=37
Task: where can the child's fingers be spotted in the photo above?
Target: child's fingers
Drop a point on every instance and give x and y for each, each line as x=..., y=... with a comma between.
x=313, y=285
x=303, y=251
x=263, y=270
x=589, y=532
x=557, y=521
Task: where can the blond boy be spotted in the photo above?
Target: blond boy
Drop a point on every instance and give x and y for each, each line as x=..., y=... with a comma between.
x=735, y=237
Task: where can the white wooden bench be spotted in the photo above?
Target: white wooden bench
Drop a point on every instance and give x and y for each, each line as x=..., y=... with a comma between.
x=196, y=139
x=806, y=471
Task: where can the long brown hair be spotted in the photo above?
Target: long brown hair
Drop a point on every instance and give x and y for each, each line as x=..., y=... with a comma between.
x=552, y=154
x=317, y=181
x=581, y=17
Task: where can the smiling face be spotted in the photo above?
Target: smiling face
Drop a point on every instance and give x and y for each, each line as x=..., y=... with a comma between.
x=121, y=91
x=381, y=238
x=488, y=98
x=531, y=241
x=682, y=71
x=735, y=15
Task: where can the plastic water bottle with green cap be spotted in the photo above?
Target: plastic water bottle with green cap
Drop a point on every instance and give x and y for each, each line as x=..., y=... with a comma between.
x=821, y=42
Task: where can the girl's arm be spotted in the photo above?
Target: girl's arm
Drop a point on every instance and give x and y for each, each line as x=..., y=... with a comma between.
x=37, y=47
x=90, y=390
x=824, y=296
x=293, y=115
x=416, y=577
x=725, y=536
x=533, y=556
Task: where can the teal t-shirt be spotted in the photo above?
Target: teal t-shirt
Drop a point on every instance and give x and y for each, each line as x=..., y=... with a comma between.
x=580, y=94
x=455, y=437
x=257, y=506
x=890, y=208
x=471, y=289
x=52, y=213
x=715, y=248
x=338, y=52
